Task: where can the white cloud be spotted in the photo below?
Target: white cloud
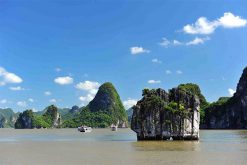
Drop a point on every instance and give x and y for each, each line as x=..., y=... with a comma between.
x=52, y=100
x=64, y=80
x=35, y=110
x=129, y=103
x=155, y=60
x=154, y=81
x=229, y=20
x=197, y=41
x=8, y=77
x=231, y=91
x=82, y=98
x=93, y=91
x=179, y=72
x=21, y=103
x=204, y=26
x=47, y=93
x=138, y=50
x=165, y=42
x=3, y=101
x=58, y=69
x=176, y=42
x=86, y=98
x=168, y=72
x=17, y=88
x=89, y=86
x=31, y=100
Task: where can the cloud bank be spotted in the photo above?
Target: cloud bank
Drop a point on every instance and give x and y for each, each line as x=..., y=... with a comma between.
x=204, y=26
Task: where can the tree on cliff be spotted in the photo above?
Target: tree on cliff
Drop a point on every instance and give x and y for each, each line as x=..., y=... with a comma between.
x=195, y=90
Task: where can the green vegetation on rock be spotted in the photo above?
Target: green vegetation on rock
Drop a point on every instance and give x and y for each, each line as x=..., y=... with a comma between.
x=216, y=109
x=7, y=117
x=160, y=115
x=106, y=108
x=94, y=119
x=107, y=100
x=195, y=90
x=29, y=119
x=25, y=120
x=72, y=113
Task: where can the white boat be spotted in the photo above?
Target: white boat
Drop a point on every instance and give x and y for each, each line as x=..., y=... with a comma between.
x=113, y=127
x=84, y=129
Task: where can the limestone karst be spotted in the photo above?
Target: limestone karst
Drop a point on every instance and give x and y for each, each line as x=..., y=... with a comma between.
x=161, y=115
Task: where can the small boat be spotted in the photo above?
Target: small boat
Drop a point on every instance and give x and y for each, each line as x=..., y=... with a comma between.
x=84, y=129
x=113, y=127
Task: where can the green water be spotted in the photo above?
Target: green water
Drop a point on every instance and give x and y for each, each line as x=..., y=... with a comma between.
x=102, y=146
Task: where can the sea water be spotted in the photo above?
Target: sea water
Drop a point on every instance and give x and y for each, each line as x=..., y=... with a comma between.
x=103, y=146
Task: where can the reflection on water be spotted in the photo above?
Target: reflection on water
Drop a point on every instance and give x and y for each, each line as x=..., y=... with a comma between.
x=166, y=146
x=224, y=136
x=210, y=140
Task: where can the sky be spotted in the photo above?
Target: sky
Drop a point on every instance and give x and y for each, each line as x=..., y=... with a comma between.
x=60, y=52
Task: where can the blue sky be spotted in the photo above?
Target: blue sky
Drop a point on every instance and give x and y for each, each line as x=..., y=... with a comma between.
x=59, y=52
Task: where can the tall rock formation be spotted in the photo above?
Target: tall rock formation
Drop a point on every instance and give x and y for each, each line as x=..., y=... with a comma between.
x=160, y=115
x=229, y=113
x=104, y=110
x=50, y=119
x=53, y=117
x=108, y=101
x=25, y=120
x=7, y=117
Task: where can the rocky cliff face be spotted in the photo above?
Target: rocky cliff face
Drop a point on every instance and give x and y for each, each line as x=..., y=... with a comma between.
x=53, y=117
x=3, y=122
x=25, y=120
x=50, y=119
x=229, y=113
x=160, y=115
x=7, y=118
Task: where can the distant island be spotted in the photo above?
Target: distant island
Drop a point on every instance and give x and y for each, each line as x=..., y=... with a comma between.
x=178, y=113
x=104, y=110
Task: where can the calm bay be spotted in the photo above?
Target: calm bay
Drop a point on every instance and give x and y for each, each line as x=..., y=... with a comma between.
x=103, y=146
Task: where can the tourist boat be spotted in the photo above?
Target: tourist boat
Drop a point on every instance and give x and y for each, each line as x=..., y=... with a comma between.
x=84, y=129
x=113, y=127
